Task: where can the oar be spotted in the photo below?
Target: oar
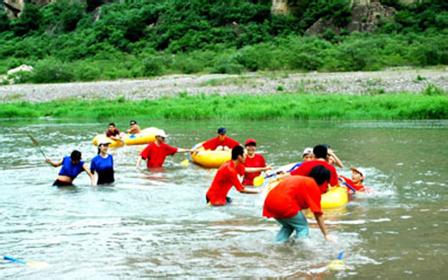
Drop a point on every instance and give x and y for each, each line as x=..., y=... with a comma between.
x=347, y=185
x=32, y=264
x=338, y=263
x=35, y=143
x=259, y=180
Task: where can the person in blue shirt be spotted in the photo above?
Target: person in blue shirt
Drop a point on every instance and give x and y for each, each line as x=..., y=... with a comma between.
x=102, y=165
x=72, y=166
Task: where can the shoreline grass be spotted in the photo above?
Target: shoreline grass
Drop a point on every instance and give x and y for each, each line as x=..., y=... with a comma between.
x=400, y=106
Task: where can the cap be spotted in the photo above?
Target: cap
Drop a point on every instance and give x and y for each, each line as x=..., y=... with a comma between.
x=222, y=130
x=360, y=171
x=307, y=151
x=132, y=122
x=250, y=141
x=104, y=141
x=161, y=133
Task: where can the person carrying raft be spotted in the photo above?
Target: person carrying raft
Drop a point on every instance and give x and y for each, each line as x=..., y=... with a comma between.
x=72, y=166
x=156, y=152
x=226, y=177
x=320, y=153
x=221, y=142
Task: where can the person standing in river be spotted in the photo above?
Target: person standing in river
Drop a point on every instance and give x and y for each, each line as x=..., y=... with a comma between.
x=254, y=163
x=156, y=152
x=226, y=177
x=320, y=153
x=286, y=201
x=102, y=165
x=72, y=166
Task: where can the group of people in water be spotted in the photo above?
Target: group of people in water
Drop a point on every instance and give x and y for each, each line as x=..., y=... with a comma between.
x=300, y=187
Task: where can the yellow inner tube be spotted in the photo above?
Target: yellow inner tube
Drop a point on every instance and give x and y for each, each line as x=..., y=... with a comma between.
x=209, y=158
x=146, y=136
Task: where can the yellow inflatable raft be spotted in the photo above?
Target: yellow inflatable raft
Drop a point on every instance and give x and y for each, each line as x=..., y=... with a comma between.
x=209, y=158
x=335, y=197
x=146, y=136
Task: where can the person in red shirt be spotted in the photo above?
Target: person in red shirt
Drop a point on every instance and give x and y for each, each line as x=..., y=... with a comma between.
x=254, y=163
x=222, y=141
x=295, y=193
x=320, y=153
x=358, y=177
x=156, y=152
x=113, y=133
x=225, y=178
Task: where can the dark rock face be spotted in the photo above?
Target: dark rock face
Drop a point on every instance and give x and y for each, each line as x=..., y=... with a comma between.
x=365, y=17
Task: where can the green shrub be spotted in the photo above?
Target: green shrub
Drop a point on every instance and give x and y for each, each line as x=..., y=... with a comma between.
x=52, y=71
x=227, y=65
x=152, y=66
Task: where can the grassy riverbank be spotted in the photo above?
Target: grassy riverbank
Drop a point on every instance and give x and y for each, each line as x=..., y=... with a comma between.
x=427, y=105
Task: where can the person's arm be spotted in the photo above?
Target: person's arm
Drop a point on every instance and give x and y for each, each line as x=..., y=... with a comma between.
x=321, y=224
x=337, y=161
x=53, y=163
x=139, y=160
x=92, y=178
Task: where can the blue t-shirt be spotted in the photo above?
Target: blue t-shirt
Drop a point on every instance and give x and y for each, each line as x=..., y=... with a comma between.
x=104, y=167
x=69, y=169
x=100, y=164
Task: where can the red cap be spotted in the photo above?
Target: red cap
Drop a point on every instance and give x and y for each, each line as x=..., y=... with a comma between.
x=250, y=141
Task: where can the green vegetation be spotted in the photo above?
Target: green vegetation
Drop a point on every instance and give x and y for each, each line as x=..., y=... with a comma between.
x=430, y=104
x=71, y=41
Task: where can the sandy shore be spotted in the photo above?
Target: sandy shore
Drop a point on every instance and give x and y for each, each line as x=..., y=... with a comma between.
x=251, y=83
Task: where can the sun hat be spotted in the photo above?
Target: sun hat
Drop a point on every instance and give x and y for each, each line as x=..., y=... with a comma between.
x=360, y=171
x=161, y=133
x=250, y=141
x=307, y=151
x=103, y=140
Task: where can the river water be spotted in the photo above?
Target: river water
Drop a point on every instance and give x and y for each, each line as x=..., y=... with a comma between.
x=158, y=225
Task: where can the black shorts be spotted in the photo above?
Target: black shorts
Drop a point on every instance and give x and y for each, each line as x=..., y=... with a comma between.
x=59, y=183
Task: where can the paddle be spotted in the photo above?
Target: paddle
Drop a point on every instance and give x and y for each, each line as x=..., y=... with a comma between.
x=338, y=263
x=35, y=143
x=347, y=184
x=32, y=264
x=259, y=180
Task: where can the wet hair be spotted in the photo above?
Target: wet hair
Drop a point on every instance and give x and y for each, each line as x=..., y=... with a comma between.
x=112, y=124
x=75, y=155
x=237, y=151
x=320, y=151
x=320, y=174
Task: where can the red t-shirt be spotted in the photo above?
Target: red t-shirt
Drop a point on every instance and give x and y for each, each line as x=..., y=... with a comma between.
x=256, y=161
x=225, y=178
x=213, y=143
x=155, y=154
x=305, y=169
x=115, y=132
x=357, y=187
x=292, y=195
